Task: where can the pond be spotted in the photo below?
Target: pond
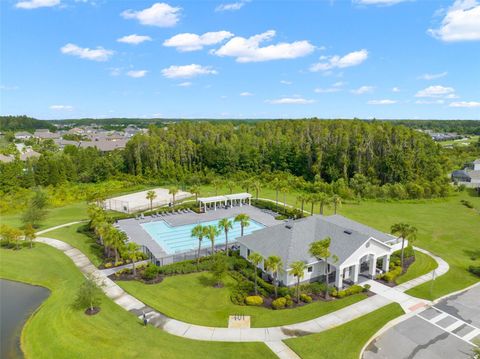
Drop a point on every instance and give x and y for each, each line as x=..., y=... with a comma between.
x=17, y=302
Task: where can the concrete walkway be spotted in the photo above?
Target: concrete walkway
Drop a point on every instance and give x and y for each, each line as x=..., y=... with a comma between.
x=59, y=226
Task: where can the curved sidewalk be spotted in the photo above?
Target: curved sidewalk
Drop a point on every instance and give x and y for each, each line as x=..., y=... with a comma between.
x=192, y=331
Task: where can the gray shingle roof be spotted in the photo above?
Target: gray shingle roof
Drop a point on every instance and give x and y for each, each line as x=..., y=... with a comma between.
x=291, y=240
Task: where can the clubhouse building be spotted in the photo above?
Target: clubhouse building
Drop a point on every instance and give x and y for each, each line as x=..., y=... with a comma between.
x=358, y=248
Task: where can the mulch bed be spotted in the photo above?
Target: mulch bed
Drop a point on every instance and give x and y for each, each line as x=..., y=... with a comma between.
x=93, y=311
x=127, y=277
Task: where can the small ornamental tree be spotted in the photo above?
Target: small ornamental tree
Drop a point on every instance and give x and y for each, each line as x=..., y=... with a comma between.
x=219, y=268
x=88, y=297
x=151, y=195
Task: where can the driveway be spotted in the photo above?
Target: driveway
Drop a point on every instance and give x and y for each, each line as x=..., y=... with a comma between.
x=446, y=330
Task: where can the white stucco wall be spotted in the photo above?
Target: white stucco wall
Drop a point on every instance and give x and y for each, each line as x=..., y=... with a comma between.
x=369, y=247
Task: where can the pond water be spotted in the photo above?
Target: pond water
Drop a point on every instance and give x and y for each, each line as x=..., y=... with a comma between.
x=17, y=303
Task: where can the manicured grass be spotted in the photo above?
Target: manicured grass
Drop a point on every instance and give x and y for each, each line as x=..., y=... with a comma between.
x=445, y=227
x=347, y=340
x=81, y=241
x=56, y=216
x=423, y=264
x=58, y=331
x=193, y=299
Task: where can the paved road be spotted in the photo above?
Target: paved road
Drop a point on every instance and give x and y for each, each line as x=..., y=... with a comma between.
x=447, y=330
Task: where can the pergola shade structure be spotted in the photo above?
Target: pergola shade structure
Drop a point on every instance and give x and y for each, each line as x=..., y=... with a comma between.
x=237, y=199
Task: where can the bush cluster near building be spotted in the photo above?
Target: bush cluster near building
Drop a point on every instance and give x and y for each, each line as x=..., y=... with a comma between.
x=395, y=268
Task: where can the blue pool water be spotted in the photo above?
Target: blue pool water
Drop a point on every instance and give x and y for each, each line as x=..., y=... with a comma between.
x=178, y=239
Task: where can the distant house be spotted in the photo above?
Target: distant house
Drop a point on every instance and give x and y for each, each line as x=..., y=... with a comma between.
x=23, y=135
x=28, y=153
x=45, y=134
x=6, y=159
x=358, y=247
x=469, y=176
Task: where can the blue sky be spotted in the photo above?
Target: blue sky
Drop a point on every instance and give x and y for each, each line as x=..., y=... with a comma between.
x=241, y=59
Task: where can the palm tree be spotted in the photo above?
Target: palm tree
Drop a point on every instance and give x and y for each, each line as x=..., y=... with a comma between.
x=151, y=195
x=404, y=231
x=321, y=251
x=276, y=184
x=199, y=232
x=225, y=225
x=117, y=241
x=284, y=190
x=302, y=198
x=29, y=233
x=256, y=259
x=173, y=191
x=132, y=252
x=244, y=220
x=246, y=184
x=337, y=202
x=96, y=215
x=212, y=232
x=298, y=270
x=322, y=199
x=274, y=265
x=230, y=186
x=258, y=186
x=216, y=183
x=313, y=199
x=195, y=190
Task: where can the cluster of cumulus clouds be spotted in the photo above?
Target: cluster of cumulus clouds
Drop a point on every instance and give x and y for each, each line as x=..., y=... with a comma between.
x=460, y=22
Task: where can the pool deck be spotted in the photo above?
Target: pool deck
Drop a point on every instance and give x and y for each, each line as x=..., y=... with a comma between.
x=132, y=227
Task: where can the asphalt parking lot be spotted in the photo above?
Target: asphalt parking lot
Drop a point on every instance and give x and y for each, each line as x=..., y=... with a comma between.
x=446, y=330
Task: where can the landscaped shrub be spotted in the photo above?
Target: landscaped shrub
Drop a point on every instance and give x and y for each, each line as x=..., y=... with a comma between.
x=119, y=263
x=150, y=272
x=254, y=300
x=238, y=297
x=279, y=303
x=305, y=298
x=407, y=253
x=366, y=287
x=315, y=288
x=475, y=270
x=108, y=265
x=392, y=275
x=289, y=300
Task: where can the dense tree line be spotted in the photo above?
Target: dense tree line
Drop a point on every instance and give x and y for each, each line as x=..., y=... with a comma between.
x=327, y=150
x=23, y=123
x=463, y=127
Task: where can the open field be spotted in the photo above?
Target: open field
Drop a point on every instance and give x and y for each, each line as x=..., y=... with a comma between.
x=56, y=330
x=347, y=340
x=461, y=142
x=193, y=299
x=59, y=215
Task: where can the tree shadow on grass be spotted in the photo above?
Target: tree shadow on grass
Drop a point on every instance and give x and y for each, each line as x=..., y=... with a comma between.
x=206, y=280
x=472, y=254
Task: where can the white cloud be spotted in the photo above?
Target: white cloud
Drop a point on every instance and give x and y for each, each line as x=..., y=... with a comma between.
x=381, y=102
x=362, y=90
x=159, y=14
x=395, y=89
x=134, y=39
x=185, y=84
x=437, y=91
x=192, y=42
x=339, y=84
x=249, y=50
x=379, y=2
x=285, y=82
x=137, y=73
x=290, y=101
x=34, y=4
x=246, y=93
x=429, y=102
x=461, y=23
x=352, y=59
x=187, y=71
x=327, y=89
x=231, y=6
x=98, y=54
x=467, y=104
x=429, y=77
x=61, y=107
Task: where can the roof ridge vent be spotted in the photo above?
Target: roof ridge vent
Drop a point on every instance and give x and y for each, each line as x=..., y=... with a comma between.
x=347, y=231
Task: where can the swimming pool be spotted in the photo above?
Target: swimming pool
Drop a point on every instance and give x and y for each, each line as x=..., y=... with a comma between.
x=178, y=239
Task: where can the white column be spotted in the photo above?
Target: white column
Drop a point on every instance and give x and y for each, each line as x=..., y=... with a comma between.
x=386, y=263
x=372, y=266
x=355, y=269
x=249, y=200
x=339, y=278
x=215, y=205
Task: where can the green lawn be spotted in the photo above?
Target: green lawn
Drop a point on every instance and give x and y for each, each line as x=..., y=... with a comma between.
x=423, y=264
x=192, y=298
x=60, y=215
x=84, y=243
x=347, y=340
x=445, y=227
x=58, y=331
